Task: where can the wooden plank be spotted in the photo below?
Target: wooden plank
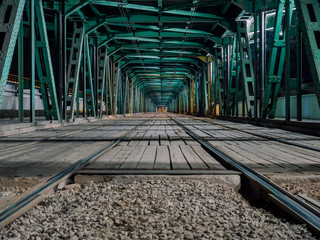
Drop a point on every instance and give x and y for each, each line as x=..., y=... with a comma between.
x=123, y=143
x=234, y=152
x=164, y=140
x=178, y=161
x=192, y=142
x=154, y=140
x=159, y=172
x=133, y=159
x=288, y=158
x=133, y=143
x=177, y=142
x=261, y=153
x=194, y=160
x=162, y=158
x=100, y=162
x=207, y=158
x=148, y=158
x=119, y=158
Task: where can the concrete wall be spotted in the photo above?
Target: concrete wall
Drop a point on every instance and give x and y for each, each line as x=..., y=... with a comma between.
x=310, y=104
x=11, y=101
x=310, y=109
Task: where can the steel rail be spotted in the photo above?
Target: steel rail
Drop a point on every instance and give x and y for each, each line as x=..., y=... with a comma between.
x=17, y=209
x=294, y=206
x=288, y=142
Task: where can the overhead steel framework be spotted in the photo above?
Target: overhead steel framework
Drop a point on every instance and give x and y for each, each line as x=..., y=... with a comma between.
x=217, y=57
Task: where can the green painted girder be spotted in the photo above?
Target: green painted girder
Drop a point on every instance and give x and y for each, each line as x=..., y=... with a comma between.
x=219, y=80
x=154, y=81
x=161, y=80
x=246, y=66
x=74, y=69
x=101, y=83
x=169, y=75
x=178, y=78
x=44, y=67
x=233, y=81
x=140, y=18
x=166, y=59
x=140, y=39
x=90, y=91
x=164, y=53
x=166, y=47
x=162, y=68
x=114, y=50
x=165, y=65
x=309, y=19
x=157, y=10
x=276, y=62
x=164, y=73
x=155, y=28
x=162, y=44
x=175, y=88
x=158, y=33
x=9, y=33
x=143, y=56
x=133, y=72
x=74, y=7
x=152, y=40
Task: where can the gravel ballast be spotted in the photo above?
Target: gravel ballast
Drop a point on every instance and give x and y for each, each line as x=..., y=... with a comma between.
x=150, y=208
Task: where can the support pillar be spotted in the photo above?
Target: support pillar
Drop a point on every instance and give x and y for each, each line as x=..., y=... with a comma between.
x=20, y=72
x=287, y=61
x=32, y=62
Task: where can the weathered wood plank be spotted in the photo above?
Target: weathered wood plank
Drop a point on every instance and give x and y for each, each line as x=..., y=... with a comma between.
x=133, y=159
x=162, y=158
x=209, y=160
x=119, y=158
x=148, y=158
x=193, y=159
x=101, y=162
x=178, y=161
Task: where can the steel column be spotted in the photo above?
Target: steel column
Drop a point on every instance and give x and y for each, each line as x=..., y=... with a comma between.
x=32, y=62
x=308, y=13
x=261, y=63
x=20, y=72
x=287, y=57
x=9, y=28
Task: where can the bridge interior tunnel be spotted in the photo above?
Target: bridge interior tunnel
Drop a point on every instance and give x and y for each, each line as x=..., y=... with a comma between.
x=71, y=59
x=76, y=74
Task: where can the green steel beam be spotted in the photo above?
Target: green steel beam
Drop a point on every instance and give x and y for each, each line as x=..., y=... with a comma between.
x=45, y=68
x=157, y=10
x=101, y=83
x=232, y=87
x=141, y=18
x=9, y=29
x=73, y=70
x=90, y=106
x=246, y=66
x=32, y=30
x=309, y=19
x=20, y=72
x=276, y=63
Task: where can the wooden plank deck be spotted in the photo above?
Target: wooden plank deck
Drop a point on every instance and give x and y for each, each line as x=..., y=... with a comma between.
x=158, y=145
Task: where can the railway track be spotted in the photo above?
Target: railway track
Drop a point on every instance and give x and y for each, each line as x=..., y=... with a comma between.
x=290, y=203
x=281, y=140
x=12, y=210
x=298, y=207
